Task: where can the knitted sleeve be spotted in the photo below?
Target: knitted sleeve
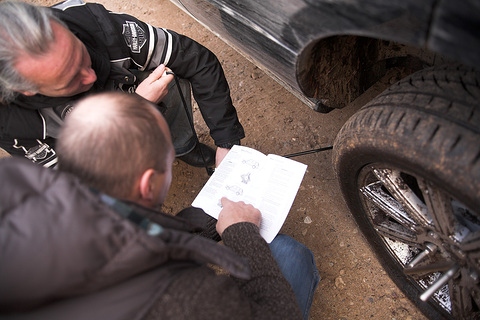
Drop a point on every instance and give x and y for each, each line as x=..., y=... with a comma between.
x=199, y=293
x=268, y=289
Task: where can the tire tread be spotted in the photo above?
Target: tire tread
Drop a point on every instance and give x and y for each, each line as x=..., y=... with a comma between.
x=427, y=124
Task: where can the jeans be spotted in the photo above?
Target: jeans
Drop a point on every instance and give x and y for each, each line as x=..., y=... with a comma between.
x=298, y=266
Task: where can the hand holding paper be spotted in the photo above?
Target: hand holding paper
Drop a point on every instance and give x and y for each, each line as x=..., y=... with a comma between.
x=269, y=183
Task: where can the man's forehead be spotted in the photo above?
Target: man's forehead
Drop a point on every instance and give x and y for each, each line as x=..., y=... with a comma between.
x=57, y=57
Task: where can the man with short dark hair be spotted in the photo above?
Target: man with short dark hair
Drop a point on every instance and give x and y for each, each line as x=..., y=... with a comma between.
x=93, y=247
x=124, y=138
x=51, y=57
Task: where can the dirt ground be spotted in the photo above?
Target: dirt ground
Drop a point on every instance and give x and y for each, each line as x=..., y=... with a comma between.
x=353, y=285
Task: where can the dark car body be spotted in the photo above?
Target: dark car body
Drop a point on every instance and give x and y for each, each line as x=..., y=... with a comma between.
x=288, y=37
x=408, y=162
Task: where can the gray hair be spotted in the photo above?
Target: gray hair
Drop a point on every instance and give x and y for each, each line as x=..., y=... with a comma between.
x=24, y=28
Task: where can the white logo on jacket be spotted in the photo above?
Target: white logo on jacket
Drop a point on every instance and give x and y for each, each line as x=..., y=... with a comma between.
x=134, y=36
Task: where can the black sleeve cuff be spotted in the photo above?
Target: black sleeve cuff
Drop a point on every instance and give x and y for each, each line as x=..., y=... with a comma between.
x=229, y=145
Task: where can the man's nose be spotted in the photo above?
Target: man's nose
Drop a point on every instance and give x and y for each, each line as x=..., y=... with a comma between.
x=89, y=76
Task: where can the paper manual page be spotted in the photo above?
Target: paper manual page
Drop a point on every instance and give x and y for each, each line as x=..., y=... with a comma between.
x=270, y=183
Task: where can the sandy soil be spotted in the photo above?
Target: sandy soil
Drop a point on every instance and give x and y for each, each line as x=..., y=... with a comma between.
x=353, y=285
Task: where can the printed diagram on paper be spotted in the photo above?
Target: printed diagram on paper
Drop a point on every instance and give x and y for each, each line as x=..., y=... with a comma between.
x=270, y=183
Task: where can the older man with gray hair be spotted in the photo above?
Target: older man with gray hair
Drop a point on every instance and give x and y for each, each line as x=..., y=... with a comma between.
x=52, y=57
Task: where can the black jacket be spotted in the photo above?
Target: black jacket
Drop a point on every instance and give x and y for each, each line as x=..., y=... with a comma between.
x=120, y=45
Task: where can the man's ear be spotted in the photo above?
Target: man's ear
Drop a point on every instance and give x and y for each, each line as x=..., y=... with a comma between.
x=147, y=185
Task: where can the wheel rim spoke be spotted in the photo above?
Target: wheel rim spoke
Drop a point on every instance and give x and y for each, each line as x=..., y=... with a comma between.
x=392, y=180
x=475, y=294
x=434, y=238
x=471, y=243
x=463, y=298
x=439, y=207
x=388, y=204
x=395, y=232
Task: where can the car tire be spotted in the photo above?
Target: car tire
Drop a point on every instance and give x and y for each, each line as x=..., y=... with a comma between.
x=408, y=165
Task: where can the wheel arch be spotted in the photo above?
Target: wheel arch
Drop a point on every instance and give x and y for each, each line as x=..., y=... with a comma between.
x=443, y=31
x=351, y=63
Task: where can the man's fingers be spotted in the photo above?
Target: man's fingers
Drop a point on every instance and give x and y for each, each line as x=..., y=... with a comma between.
x=155, y=87
x=158, y=72
x=234, y=212
x=225, y=201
